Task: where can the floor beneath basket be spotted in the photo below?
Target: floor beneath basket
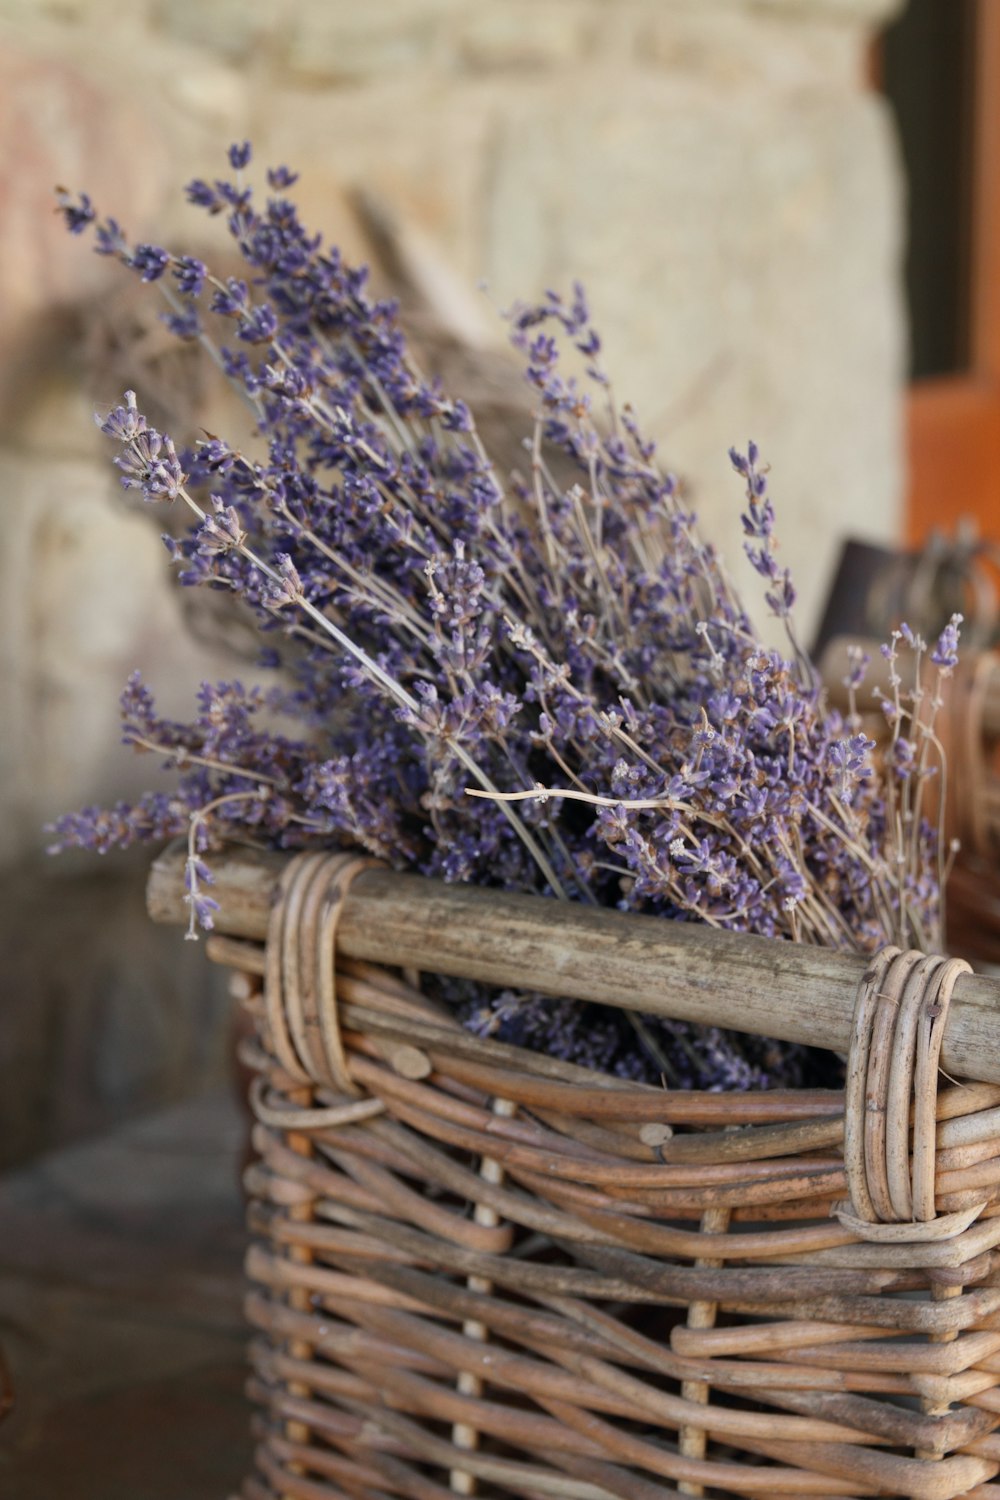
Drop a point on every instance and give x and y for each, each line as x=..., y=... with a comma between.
x=120, y=1294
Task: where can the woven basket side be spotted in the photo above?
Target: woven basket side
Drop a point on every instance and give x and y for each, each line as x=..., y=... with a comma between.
x=480, y=1271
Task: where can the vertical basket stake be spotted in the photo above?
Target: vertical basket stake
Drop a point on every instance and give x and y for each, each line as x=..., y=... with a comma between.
x=463, y=1435
x=925, y=1105
x=937, y=1408
x=298, y=1297
x=284, y=950
x=691, y=1440
x=245, y=987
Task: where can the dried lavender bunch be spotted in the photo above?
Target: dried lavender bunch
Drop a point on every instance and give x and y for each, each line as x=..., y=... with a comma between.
x=504, y=679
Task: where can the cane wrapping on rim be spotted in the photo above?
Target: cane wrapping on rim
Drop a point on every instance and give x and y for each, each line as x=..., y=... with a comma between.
x=300, y=987
x=892, y=1078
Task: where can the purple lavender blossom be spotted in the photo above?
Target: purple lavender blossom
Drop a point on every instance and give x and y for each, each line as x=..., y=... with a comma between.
x=124, y=423
x=203, y=195
x=233, y=300
x=508, y=633
x=148, y=461
x=190, y=274
x=286, y=588
x=78, y=214
x=851, y=759
x=150, y=262
x=858, y=661
x=221, y=531
x=945, y=653
x=185, y=324
x=111, y=239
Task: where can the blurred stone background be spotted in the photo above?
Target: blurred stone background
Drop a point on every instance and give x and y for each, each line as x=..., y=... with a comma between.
x=718, y=172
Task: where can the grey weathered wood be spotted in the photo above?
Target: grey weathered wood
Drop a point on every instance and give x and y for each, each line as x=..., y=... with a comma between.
x=681, y=970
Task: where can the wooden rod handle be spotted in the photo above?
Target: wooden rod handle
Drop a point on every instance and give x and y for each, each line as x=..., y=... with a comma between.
x=681, y=970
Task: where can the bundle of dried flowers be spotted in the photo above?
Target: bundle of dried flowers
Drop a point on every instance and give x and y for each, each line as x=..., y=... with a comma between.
x=500, y=678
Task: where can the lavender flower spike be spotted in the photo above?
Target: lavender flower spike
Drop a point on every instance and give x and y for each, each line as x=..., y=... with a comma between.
x=148, y=461
x=581, y=659
x=945, y=653
x=124, y=423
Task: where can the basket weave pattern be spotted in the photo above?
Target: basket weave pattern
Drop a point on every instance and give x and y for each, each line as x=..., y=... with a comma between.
x=480, y=1271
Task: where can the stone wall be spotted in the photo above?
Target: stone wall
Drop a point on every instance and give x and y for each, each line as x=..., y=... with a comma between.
x=716, y=171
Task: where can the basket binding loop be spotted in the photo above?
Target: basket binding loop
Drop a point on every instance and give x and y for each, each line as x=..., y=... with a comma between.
x=300, y=989
x=892, y=1072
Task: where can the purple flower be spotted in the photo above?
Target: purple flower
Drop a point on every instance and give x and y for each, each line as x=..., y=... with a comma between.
x=857, y=666
x=222, y=531
x=850, y=760
x=111, y=239
x=203, y=195
x=124, y=423
x=150, y=262
x=189, y=273
x=202, y=908
x=281, y=177
x=185, y=324
x=782, y=598
x=77, y=213
x=443, y=626
x=233, y=301
x=287, y=587
x=903, y=756
x=257, y=326
x=149, y=460
x=945, y=653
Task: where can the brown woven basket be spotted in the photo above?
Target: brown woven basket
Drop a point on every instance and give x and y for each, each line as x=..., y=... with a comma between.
x=478, y=1271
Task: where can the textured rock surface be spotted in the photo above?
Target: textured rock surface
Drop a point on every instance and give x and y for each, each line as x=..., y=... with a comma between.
x=85, y=598
x=746, y=314
x=715, y=170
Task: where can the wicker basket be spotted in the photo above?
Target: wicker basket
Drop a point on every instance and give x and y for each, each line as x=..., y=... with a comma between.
x=479, y=1271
